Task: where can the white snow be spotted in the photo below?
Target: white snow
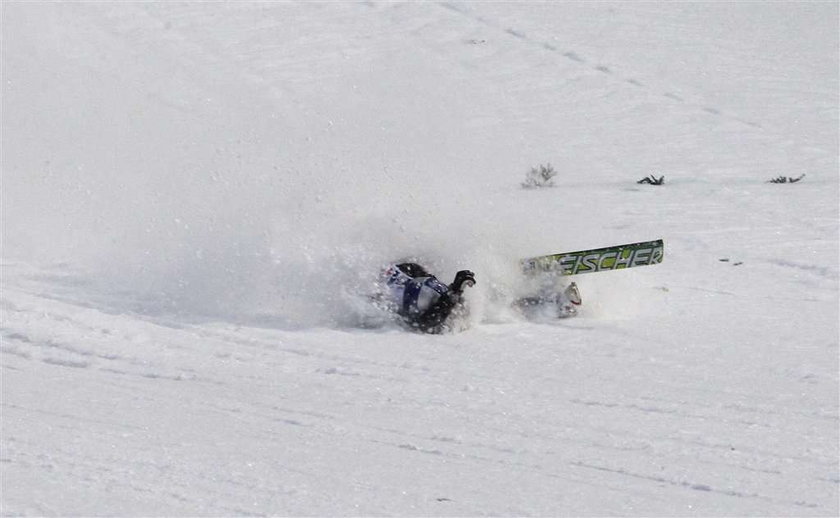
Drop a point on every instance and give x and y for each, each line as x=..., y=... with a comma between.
x=193, y=192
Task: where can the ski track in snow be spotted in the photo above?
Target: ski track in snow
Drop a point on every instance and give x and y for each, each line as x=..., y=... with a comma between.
x=703, y=386
x=575, y=57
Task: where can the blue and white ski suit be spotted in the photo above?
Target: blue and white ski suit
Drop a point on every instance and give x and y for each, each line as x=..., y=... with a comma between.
x=412, y=296
x=423, y=302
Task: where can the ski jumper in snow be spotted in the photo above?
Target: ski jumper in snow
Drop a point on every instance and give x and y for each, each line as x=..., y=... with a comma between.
x=420, y=299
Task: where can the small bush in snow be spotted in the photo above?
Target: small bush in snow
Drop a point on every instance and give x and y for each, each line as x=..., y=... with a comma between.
x=787, y=179
x=542, y=176
x=652, y=180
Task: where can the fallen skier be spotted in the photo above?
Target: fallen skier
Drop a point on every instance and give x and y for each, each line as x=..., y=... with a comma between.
x=421, y=301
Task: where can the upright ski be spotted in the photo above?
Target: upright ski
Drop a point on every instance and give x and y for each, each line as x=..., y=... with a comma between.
x=598, y=259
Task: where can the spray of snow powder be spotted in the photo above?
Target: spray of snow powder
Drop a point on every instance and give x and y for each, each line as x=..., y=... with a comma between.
x=182, y=197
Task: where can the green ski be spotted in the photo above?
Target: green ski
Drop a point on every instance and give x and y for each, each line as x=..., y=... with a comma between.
x=598, y=259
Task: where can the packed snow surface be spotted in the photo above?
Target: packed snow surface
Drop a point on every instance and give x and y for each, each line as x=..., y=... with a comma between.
x=195, y=195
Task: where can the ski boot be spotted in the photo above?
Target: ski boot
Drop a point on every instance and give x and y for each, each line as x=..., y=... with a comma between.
x=568, y=301
x=551, y=304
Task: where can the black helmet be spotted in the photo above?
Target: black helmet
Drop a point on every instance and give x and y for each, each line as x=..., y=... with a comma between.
x=413, y=270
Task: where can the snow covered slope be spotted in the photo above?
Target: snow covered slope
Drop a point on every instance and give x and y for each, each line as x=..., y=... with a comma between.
x=192, y=193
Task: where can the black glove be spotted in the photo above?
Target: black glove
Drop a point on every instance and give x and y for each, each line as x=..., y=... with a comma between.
x=461, y=278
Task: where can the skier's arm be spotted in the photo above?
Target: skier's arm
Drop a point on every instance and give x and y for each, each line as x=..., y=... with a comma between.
x=436, y=315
